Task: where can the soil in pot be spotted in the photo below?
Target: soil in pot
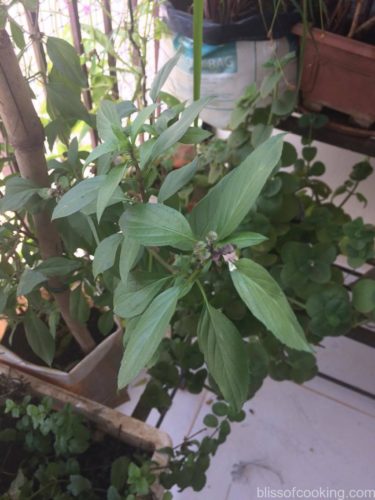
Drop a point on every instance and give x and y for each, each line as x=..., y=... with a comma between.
x=68, y=352
x=83, y=462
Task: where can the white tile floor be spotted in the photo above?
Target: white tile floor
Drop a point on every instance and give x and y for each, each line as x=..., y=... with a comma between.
x=311, y=436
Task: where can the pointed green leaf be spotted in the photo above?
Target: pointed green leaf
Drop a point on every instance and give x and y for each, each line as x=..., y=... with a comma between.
x=17, y=34
x=39, y=337
x=125, y=108
x=227, y=203
x=66, y=60
x=140, y=120
x=162, y=76
x=3, y=300
x=108, y=120
x=269, y=83
x=78, y=306
x=106, y=190
x=101, y=150
x=177, y=179
x=64, y=101
x=29, y=280
x=147, y=334
x=105, y=254
x=78, y=197
x=154, y=224
x=174, y=133
x=267, y=302
x=132, y=298
x=58, y=266
x=225, y=354
x=129, y=252
x=18, y=192
x=245, y=239
x=117, y=197
x=195, y=135
x=3, y=16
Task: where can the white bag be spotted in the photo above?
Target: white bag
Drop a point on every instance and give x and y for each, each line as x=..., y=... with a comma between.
x=226, y=72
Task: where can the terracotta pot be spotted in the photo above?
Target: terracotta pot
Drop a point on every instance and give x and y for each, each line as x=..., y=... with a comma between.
x=95, y=377
x=127, y=429
x=338, y=73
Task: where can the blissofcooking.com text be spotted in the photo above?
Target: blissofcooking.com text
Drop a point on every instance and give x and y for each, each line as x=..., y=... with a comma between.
x=319, y=493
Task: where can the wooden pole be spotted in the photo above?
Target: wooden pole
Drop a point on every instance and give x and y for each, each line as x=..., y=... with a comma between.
x=26, y=135
x=36, y=37
x=77, y=40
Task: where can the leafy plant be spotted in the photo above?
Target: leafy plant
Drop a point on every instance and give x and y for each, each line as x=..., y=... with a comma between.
x=60, y=457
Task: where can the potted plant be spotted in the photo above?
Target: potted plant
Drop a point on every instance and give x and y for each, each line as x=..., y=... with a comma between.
x=338, y=59
x=36, y=252
x=58, y=444
x=238, y=39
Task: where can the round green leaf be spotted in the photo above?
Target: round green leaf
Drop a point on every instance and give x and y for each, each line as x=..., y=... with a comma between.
x=364, y=295
x=210, y=420
x=220, y=409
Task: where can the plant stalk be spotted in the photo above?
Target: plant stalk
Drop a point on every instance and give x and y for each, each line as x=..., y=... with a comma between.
x=26, y=135
x=197, y=47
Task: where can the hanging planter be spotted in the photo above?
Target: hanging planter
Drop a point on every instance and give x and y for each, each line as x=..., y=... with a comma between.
x=338, y=73
x=233, y=54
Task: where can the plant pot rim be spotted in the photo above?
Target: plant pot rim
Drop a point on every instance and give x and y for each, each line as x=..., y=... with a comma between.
x=71, y=377
x=127, y=429
x=333, y=40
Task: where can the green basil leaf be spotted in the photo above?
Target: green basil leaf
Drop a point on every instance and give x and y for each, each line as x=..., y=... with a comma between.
x=140, y=120
x=17, y=34
x=58, y=266
x=154, y=224
x=195, y=135
x=245, y=239
x=130, y=249
x=65, y=101
x=18, y=192
x=105, y=254
x=174, y=133
x=66, y=60
x=29, y=280
x=3, y=300
x=108, y=120
x=269, y=83
x=78, y=197
x=227, y=203
x=267, y=302
x=162, y=76
x=125, y=108
x=39, y=337
x=146, y=335
x=177, y=179
x=106, y=190
x=101, y=150
x=225, y=354
x=131, y=298
x=78, y=305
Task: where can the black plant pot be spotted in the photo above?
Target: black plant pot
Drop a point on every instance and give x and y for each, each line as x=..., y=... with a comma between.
x=255, y=27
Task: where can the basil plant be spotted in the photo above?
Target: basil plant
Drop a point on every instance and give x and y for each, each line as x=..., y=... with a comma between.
x=157, y=252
